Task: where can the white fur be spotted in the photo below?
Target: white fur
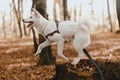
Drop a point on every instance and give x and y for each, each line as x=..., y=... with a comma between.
x=78, y=32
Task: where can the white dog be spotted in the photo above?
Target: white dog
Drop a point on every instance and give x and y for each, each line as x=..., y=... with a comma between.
x=77, y=32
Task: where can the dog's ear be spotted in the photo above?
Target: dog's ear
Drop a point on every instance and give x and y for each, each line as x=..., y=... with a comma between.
x=36, y=13
x=34, y=6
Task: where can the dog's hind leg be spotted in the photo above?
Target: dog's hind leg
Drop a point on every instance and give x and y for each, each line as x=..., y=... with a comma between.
x=60, y=49
x=80, y=42
x=76, y=60
x=41, y=46
x=78, y=45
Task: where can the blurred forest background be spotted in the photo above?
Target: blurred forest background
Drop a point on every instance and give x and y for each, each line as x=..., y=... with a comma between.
x=19, y=43
x=102, y=12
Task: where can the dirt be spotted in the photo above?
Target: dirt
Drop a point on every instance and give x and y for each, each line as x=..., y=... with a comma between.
x=17, y=60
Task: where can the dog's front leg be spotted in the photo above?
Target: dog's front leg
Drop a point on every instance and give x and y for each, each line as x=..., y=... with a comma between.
x=41, y=46
x=60, y=49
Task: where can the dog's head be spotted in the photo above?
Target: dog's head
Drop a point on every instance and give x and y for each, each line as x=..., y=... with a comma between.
x=34, y=15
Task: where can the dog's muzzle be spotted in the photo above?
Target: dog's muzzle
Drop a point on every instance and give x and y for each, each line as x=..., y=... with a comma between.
x=30, y=23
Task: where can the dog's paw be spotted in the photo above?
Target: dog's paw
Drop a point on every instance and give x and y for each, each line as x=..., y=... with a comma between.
x=66, y=59
x=75, y=61
x=36, y=54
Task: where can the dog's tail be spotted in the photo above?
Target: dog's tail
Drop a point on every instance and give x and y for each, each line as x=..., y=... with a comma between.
x=97, y=67
x=85, y=24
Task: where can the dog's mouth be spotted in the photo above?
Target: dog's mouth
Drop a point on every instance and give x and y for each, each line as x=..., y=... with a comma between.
x=30, y=24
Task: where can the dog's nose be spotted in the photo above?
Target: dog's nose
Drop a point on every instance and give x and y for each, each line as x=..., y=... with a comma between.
x=23, y=20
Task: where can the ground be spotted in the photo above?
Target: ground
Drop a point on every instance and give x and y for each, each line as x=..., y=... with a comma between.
x=17, y=60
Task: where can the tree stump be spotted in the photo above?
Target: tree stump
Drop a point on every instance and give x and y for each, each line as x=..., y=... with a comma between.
x=112, y=70
x=84, y=70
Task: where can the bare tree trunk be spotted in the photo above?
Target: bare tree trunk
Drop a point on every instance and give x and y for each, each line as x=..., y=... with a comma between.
x=25, y=32
x=54, y=10
x=118, y=11
x=3, y=24
x=24, y=28
x=80, y=9
x=34, y=40
x=10, y=14
x=109, y=15
x=19, y=17
x=12, y=19
x=61, y=9
x=74, y=13
x=46, y=57
x=65, y=10
x=92, y=10
x=103, y=19
x=17, y=14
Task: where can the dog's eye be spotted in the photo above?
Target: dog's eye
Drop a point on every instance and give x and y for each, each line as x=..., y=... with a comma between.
x=31, y=17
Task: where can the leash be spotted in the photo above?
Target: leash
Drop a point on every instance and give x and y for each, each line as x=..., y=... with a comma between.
x=90, y=58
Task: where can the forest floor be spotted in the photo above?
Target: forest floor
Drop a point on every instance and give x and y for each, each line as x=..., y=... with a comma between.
x=17, y=60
